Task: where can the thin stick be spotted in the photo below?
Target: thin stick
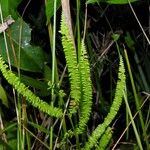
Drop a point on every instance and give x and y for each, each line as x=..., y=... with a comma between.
x=139, y=22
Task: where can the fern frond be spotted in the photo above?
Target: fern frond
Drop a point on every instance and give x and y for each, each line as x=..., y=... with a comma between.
x=71, y=60
x=105, y=139
x=97, y=133
x=23, y=90
x=86, y=99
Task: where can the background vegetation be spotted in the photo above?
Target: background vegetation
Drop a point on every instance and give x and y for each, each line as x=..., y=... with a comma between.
x=74, y=76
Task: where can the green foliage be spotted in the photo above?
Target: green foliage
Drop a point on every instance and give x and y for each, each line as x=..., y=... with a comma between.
x=42, y=87
x=100, y=130
x=3, y=96
x=137, y=101
x=27, y=54
x=10, y=131
x=39, y=127
x=86, y=99
x=119, y=2
x=23, y=90
x=71, y=60
x=74, y=118
x=129, y=41
x=9, y=7
x=105, y=139
x=79, y=73
x=50, y=8
x=11, y=144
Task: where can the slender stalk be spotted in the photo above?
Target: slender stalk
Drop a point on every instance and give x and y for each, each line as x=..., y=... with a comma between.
x=18, y=110
x=53, y=51
x=140, y=25
x=51, y=138
x=78, y=27
x=5, y=39
x=3, y=135
x=114, y=147
x=132, y=122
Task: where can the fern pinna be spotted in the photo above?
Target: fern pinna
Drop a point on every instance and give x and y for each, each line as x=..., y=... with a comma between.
x=79, y=75
x=101, y=129
x=23, y=90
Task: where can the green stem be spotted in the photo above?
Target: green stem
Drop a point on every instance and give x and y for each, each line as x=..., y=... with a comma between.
x=137, y=102
x=51, y=138
x=78, y=26
x=133, y=123
x=53, y=52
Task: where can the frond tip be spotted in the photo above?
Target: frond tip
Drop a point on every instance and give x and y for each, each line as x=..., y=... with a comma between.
x=23, y=90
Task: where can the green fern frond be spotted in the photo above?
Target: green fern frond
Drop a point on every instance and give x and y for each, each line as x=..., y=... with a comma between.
x=23, y=90
x=97, y=133
x=105, y=139
x=86, y=99
x=71, y=60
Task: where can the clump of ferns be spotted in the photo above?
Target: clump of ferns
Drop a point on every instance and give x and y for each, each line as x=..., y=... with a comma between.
x=25, y=92
x=79, y=76
x=103, y=131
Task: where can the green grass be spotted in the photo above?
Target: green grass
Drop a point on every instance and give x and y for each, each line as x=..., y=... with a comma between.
x=94, y=96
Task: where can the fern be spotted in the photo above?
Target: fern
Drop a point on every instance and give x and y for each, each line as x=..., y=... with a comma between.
x=71, y=60
x=81, y=86
x=23, y=90
x=79, y=77
x=97, y=133
x=105, y=139
x=86, y=100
